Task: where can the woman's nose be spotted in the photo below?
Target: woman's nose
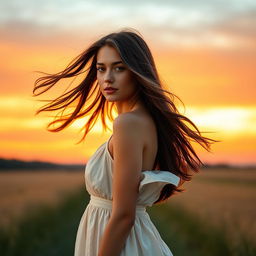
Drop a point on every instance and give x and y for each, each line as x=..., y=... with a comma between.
x=108, y=77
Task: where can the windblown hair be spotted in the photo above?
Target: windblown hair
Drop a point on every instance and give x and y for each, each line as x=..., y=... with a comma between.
x=175, y=152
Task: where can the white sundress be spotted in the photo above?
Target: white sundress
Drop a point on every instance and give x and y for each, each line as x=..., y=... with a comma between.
x=144, y=239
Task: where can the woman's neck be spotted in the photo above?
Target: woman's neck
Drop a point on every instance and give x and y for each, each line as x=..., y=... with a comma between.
x=132, y=105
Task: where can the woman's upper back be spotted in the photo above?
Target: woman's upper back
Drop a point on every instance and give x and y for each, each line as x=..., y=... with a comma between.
x=146, y=128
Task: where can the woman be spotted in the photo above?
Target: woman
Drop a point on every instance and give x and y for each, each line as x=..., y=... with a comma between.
x=146, y=159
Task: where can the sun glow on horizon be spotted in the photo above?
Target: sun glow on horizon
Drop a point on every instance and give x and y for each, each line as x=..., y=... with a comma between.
x=24, y=135
x=232, y=120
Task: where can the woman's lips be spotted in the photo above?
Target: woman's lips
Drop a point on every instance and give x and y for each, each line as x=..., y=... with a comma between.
x=110, y=90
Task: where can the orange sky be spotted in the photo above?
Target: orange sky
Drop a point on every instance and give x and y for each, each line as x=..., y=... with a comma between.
x=216, y=84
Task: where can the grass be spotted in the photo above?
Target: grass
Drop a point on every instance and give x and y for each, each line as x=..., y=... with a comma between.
x=46, y=230
x=21, y=190
x=186, y=234
x=51, y=231
x=232, y=181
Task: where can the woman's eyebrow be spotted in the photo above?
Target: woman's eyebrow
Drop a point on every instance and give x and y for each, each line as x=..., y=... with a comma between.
x=114, y=63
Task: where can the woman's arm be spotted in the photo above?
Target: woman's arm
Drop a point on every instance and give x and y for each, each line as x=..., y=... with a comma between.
x=128, y=150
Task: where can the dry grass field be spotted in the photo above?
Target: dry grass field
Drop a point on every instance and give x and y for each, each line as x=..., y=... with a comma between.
x=223, y=197
x=22, y=190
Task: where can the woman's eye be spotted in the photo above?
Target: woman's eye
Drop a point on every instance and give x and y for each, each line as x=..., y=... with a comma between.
x=120, y=68
x=100, y=69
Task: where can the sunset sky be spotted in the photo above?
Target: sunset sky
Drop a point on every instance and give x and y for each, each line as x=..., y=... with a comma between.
x=205, y=53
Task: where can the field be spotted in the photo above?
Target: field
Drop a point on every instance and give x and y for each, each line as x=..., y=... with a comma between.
x=225, y=198
x=23, y=190
x=214, y=216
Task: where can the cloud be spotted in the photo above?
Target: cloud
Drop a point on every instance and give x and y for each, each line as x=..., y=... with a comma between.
x=180, y=23
x=239, y=27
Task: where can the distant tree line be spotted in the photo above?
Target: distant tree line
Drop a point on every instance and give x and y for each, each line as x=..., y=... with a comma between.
x=10, y=164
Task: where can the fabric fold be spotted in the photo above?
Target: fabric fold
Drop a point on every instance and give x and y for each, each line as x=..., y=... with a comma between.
x=152, y=183
x=159, y=176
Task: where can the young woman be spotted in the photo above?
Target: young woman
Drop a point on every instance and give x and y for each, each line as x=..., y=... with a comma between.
x=146, y=159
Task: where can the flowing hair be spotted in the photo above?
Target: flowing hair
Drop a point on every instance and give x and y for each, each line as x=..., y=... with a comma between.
x=175, y=152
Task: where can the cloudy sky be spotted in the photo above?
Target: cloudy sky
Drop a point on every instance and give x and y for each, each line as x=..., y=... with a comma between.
x=205, y=52
x=214, y=23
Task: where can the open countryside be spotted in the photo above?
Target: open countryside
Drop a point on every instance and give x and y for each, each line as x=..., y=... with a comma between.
x=219, y=198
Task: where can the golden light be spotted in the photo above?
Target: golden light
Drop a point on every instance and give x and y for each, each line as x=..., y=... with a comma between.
x=231, y=121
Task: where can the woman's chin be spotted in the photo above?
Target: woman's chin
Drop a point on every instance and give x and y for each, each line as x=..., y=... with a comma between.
x=111, y=98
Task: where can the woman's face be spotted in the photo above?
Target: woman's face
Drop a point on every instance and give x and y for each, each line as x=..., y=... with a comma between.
x=112, y=72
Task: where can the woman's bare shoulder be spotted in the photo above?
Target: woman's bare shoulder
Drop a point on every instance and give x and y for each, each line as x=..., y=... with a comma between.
x=128, y=120
x=128, y=124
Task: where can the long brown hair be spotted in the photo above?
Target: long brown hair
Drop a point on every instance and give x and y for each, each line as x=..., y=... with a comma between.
x=175, y=152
